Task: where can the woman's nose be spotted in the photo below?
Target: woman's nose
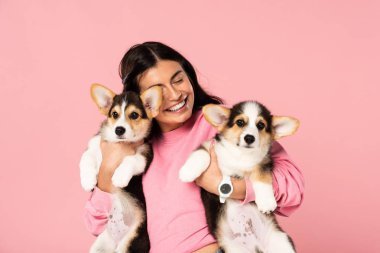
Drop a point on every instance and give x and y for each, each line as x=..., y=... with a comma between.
x=172, y=93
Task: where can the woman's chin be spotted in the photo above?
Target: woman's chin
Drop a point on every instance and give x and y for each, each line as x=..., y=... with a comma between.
x=172, y=120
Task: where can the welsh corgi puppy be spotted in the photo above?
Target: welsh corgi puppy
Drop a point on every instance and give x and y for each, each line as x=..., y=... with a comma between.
x=128, y=120
x=242, y=146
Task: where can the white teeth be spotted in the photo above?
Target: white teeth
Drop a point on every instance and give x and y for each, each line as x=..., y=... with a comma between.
x=177, y=106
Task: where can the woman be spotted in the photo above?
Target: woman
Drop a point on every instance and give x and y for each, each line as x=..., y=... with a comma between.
x=176, y=220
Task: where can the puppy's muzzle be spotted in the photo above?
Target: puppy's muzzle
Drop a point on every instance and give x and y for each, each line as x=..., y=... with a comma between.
x=249, y=139
x=119, y=131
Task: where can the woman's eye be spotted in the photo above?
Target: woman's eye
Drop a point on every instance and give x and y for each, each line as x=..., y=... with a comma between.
x=260, y=125
x=133, y=115
x=115, y=115
x=240, y=123
x=178, y=81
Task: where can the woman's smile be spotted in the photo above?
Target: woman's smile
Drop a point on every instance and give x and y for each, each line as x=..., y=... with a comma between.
x=178, y=107
x=177, y=93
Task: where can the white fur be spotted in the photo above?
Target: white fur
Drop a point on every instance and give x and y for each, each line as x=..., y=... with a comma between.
x=252, y=111
x=217, y=115
x=104, y=243
x=227, y=241
x=108, y=131
x=240, y=160
x=104, y=96
x=229, y=236
x=90, y=163
x=263, y=233
x=131, y=212
x=129, y=167
x=284, y=126
x=91, y=160
x=265, y=199
x=194, y=166
x=124, y=205
x=234, y=160
x=278, y=243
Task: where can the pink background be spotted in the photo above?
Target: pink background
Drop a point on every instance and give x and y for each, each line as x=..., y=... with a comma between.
x=316, y=60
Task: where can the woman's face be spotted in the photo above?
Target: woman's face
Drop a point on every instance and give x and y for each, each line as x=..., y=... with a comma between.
x=178, y=94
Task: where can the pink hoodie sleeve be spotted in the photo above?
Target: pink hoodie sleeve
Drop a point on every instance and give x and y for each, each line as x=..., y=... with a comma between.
x=96, y=211
x=288, y=183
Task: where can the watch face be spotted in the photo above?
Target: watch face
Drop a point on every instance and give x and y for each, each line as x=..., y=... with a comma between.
x=225, y=188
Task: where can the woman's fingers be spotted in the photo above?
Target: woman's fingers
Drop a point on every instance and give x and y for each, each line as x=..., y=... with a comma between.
x=114, y=152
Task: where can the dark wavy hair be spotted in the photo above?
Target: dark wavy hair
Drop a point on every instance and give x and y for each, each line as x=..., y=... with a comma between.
x=143, y=56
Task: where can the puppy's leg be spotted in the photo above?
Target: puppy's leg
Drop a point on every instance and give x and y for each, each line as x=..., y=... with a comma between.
x=129, y=167
x=131, y=208
x=279, y=242
x=195, y=165
x=262, y=185
x=125, y=242
x=103, y=244
x=89, y=165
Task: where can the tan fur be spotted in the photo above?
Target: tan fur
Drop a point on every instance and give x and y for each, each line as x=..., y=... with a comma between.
x=103, y=110
x=117, y=109
x=265, y=139
x=225, y=110
x=233, y=134
x=277, y=118
x=258, y=174
x=152, y=112
x=260, y=118
x=138, y=125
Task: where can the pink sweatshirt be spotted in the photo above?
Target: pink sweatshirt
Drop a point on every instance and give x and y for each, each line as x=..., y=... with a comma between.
x=176, y=219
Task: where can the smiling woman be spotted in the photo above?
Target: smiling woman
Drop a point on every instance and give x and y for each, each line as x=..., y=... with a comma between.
x=178, y=94
x=175, y=213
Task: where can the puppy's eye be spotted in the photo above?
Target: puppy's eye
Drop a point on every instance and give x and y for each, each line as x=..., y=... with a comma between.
x=115, y=115
x=134, y=115
x=240, y=123
x=260, y=125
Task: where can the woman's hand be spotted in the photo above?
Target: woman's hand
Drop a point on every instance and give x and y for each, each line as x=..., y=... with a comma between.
x=113, y=154
x=211, y=178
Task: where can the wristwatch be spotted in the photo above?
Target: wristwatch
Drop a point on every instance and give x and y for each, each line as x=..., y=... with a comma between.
x=225, y=189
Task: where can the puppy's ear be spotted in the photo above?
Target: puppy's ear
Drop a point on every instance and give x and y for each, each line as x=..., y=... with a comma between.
x=102, y=97
x=284, y=126
x=152, y=100
x=216, y=115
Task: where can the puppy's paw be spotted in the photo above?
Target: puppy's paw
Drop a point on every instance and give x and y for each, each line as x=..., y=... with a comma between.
x=187, y=175
x=195, y=165
x=89, y=182
x=266, y=204
x=121, y=178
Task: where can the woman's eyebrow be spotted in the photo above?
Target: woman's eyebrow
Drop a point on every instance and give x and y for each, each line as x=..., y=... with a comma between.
x=175, y=74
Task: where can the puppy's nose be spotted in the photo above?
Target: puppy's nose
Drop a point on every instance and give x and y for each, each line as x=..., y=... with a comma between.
x=249, y=139
x=120, y=130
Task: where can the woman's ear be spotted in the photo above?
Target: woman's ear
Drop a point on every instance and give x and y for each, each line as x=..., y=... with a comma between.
x=152, y=100
x=284, y=126
x=102, y=97
x=216, y=115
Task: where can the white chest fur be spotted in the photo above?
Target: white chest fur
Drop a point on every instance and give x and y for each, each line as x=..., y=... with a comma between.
x=237, y=161
x=91, y=160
